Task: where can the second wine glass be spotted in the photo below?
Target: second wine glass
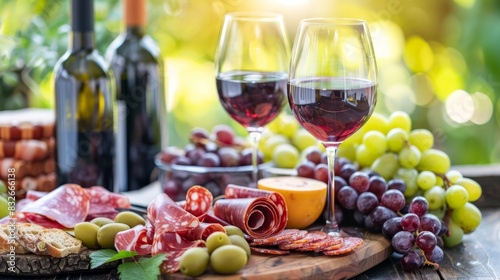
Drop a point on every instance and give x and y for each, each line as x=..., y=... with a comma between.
x=251, y=65
x=332, y=86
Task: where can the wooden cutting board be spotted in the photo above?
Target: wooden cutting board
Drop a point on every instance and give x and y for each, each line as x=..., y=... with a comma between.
x=31, y=264
x=376, y=248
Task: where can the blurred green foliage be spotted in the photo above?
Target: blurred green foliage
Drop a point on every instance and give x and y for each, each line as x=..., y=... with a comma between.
x=438, y=59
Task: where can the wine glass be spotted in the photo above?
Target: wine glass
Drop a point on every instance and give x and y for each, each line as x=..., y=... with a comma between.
x=332, y=86
x=251, y=64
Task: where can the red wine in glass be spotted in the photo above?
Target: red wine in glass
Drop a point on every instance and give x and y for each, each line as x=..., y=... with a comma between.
x=253, y=99
x=333, y=108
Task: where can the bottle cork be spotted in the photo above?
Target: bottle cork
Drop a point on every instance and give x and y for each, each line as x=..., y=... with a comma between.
x=135, y=12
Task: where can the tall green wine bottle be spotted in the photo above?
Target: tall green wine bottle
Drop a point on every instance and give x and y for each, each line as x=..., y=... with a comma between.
x=84, y=107
x=134, y=58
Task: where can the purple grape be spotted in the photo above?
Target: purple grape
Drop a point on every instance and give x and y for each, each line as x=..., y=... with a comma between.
x=393, y=199
x=306, y=169
x=410, y=222
x=411, y=261
x=436, y=256
x=347, y=197
x=314, y=155
x=346, y=171
x=321, y=172
x=403, y=241
x=397, y=184
x=339, y=162
x=229, y=156
x=359, y=217
x=429, y=222
x=182, y=160
x=444, y=229
x=198, y=136
x=391, y=227
x=359, y=181
x=339, y=183
x=246, y=157
x=370, y=225
x=209, y=160
x=419, y=206
x=426, y=241
x=377, y=185
x=366, y=202
x=381, y=214
x=195, y=154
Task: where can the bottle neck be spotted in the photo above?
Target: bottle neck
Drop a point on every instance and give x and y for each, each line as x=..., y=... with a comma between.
x=81, y=40
x=135, y=31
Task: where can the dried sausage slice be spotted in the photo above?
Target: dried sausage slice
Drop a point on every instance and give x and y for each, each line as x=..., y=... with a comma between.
x=350, y=243
x=198, y=201
x=271, y=251
x=67, y=205
x=285, y=235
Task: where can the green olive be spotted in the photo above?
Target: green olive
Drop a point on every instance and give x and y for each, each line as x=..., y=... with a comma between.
x=106, y=234
x=130, y=218
x=240, y=242
x=87, y=233
x=216, y=240
x=100, y=221
x=234, y=230
x=194, y=261
x=228, y=259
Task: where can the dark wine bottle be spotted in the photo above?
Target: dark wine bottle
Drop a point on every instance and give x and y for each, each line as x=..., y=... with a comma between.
x=84, y=107
x=134, y=58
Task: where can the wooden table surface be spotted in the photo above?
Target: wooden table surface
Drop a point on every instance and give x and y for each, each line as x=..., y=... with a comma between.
x=477, y=257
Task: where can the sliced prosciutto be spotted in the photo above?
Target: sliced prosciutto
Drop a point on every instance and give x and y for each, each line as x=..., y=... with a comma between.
x=167, y=216
x=104, y=202
x=258, y=217
x=66, y=205
x=234, y=191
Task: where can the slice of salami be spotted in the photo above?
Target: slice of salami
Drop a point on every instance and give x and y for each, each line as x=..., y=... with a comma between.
x=203, y=231
x=174, y=246
x=167, y=216
x=101, y=196
x=257, y=217
x=67, y=205
x=235, y=191
x=319, y=245
x=211, y=218
x=309, y=238
x=198, y=201
x=350, y=243
x=286, y=234
x=133, y=239
x=269, y=251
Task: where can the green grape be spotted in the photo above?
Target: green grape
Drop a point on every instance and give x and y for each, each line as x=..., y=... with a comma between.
x=286, y=156
x=271, y=143
x=375, y=141
x=440, y=213
x=453, y=176
x=426, y=180
x=409, y=175
x=473, y=188
x=435, y=197
x=289, y=125
x=439, y=181
x=422, y=139
x=468, y=217
x=303, y=139
x=396, y=139
x=434, y=160
x=400, y=119
x=348, y=151
x=386, y=165
x=377, y=122
x=409, y=156
x=4, y=207
x=356, y=138
x=454, y=235
x=364, y=156
x=3, y=187
x=456, y=196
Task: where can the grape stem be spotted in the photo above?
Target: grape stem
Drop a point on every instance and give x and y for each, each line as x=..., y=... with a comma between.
x=427, y=262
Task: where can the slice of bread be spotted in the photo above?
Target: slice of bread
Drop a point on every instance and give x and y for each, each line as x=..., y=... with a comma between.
x=27, y=235
x=59, y=243
x=53, y=242
x=8, y=235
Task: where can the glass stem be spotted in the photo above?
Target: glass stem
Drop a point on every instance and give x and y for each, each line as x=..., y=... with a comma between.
x=331, y=226
x=254, y=141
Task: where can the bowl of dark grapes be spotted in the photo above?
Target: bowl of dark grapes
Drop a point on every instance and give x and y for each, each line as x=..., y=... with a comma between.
x=212, y=159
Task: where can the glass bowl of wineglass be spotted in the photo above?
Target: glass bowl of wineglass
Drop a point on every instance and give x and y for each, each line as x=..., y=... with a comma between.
x=251, y=64
x=332, y=86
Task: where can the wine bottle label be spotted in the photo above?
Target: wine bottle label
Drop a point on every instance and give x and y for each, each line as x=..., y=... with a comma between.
x=121, y=146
